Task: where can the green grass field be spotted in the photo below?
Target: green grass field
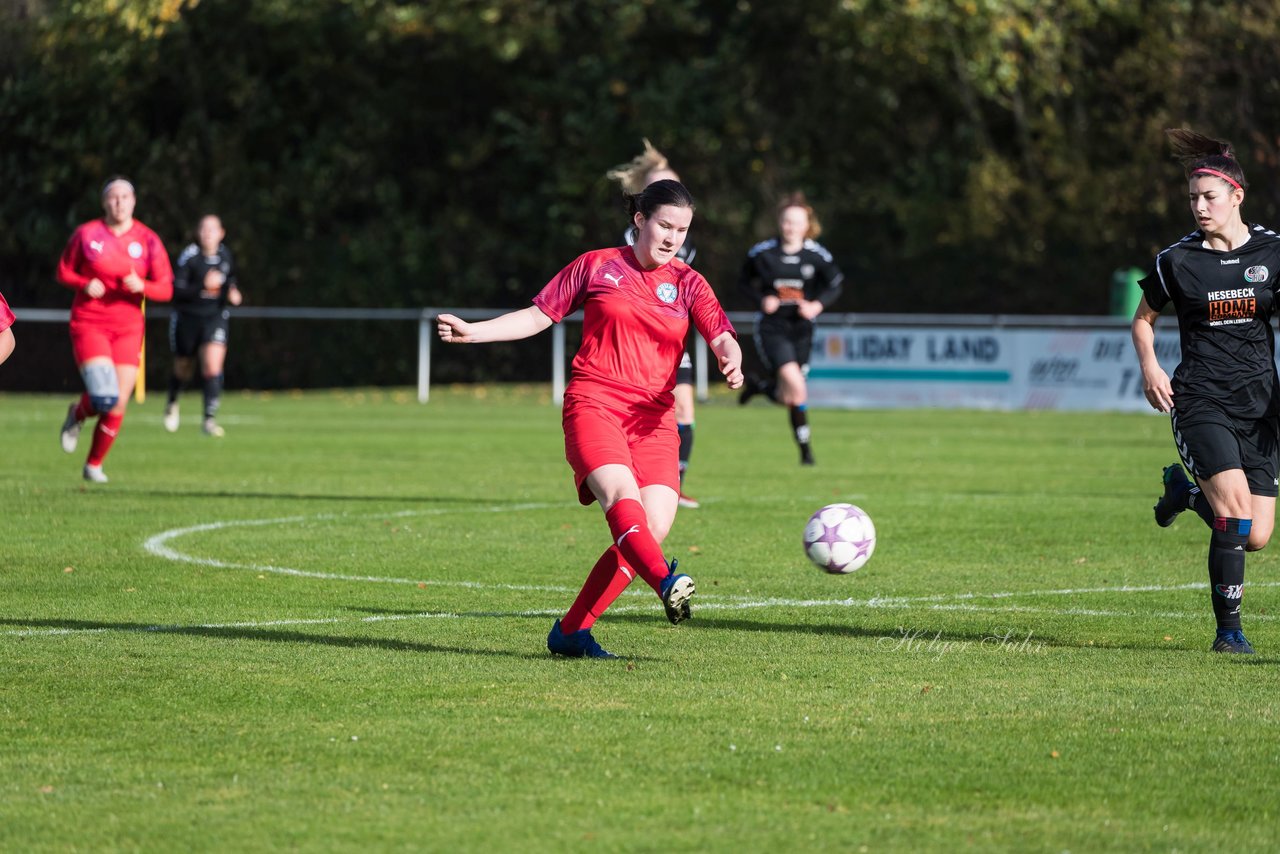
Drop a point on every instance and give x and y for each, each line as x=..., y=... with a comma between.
x=326, y=632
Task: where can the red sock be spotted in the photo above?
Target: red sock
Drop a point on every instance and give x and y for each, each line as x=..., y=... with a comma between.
x=630, y=528
x=608, y=578
x=103, y=435
x=84, y=408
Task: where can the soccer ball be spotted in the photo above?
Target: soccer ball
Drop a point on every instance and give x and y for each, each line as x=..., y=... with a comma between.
x=839, y=538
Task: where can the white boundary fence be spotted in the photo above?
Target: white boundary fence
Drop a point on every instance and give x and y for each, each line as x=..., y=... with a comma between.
x=973, y=360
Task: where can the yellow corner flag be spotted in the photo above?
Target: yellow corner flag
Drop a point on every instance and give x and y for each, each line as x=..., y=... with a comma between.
x=140, y=385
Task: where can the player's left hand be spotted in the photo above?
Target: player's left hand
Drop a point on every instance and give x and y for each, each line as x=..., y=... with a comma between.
x=133, y=283
x=810, y=308
x=233, y=296
x=732, y=370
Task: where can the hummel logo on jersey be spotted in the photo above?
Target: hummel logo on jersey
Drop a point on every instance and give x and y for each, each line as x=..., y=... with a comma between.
x=95, y=245
x=630, y=530
x=1225, y=261
x=617, y=280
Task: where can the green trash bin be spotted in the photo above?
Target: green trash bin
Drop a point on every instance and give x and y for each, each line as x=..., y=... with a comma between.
x=1126, y=293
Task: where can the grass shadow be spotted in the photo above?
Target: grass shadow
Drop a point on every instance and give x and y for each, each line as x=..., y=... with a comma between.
x=265, y=634
x=900, y=633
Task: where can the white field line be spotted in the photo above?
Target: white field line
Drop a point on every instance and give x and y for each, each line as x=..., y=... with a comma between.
x=158, y=545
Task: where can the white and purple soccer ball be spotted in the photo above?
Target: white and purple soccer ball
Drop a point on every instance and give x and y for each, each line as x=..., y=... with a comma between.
x=839, y=538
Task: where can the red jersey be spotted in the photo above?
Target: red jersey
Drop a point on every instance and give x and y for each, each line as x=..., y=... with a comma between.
x=635, y=323
x=6, y=315
x=94, y=252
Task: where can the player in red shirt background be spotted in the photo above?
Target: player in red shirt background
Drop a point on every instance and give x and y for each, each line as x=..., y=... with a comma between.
x=111, y=264
x=619, y=420
x=7, y=341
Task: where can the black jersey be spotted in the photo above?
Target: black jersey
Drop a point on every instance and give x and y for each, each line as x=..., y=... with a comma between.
x=188, y=280
x=1224, y=302
x=809, y=274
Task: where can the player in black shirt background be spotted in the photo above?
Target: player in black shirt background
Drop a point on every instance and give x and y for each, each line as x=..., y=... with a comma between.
x=1224, y=397
x=641, y=171
x=792, y=278
x=204, y=284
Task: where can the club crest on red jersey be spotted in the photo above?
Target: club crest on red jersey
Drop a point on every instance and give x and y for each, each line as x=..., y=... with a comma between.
x=135, y=249
x=666, y=292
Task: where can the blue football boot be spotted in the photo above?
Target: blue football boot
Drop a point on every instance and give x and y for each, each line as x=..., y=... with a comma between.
x=1176, y=498
x=1231, y=640
x=676, y=590
x=579, y=644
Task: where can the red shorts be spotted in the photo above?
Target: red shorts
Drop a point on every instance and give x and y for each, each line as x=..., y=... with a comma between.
x=645, y=442
x=94, y=341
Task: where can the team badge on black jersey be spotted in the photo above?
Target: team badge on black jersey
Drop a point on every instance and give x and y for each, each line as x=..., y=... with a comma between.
x=1256, y=274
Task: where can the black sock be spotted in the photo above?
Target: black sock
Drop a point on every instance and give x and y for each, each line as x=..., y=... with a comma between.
x=800, y=428
x=1197, y=502
x=175, y=389
x=212, y=395
x=1226, y=569
x=686, y=447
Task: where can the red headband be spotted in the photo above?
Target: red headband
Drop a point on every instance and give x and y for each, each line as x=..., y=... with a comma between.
x=1223, y=175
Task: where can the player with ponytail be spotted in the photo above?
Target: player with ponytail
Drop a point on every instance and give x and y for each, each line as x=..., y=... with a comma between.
x=636, y=174
x=1224, y=397
x=619, y=413
x=792, y=279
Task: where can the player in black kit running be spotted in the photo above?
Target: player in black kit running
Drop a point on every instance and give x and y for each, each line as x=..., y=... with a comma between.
x=204, y=285
x=1225, y=395
x=793, y=279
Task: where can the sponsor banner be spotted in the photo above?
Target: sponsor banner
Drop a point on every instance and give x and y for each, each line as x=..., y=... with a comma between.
x=1084, y=369
x=1079, y=369
x=889, y=366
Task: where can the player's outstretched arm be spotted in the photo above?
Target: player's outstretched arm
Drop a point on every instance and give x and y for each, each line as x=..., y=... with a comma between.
x=511, y=326
x=726, y=348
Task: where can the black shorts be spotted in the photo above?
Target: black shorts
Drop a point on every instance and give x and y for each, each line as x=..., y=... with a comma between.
x=188, y=332
x=1210, y=441
x=684, y=373
x=779, y=341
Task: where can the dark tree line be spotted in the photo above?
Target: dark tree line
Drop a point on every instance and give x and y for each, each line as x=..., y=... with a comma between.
x=964, y=157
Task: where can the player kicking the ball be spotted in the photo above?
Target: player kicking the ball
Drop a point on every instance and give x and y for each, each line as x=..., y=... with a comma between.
x=619, y=420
